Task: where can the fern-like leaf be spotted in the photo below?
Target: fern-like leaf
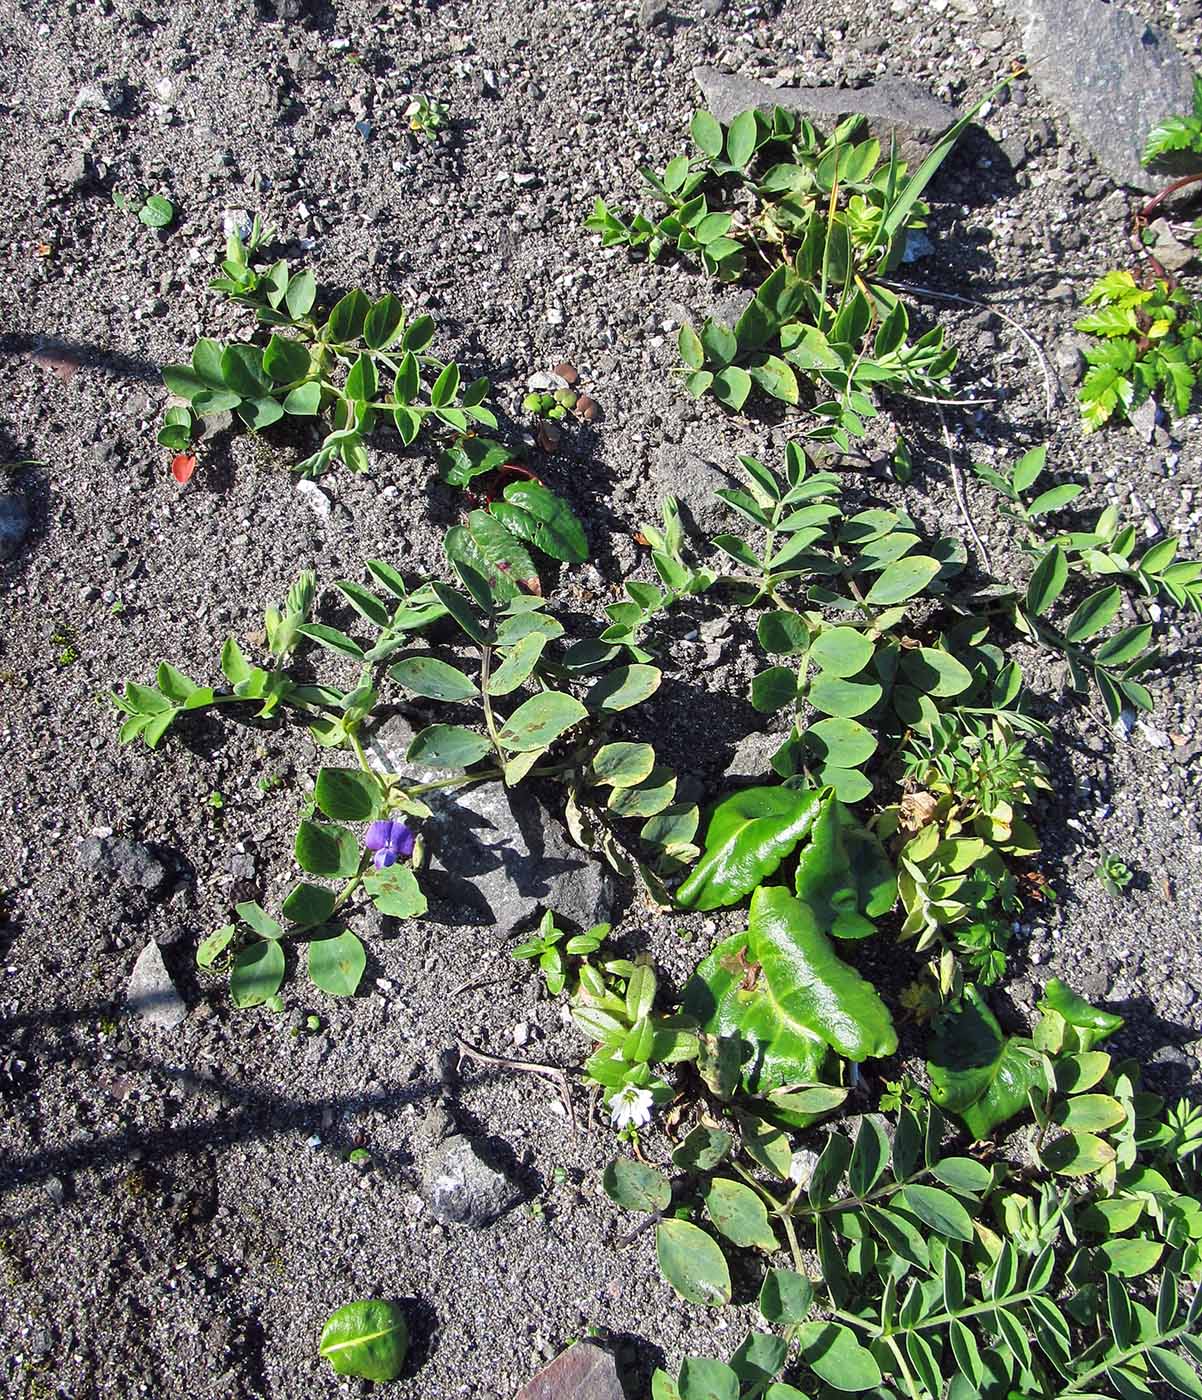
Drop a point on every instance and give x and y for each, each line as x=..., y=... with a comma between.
x=1174, y=135
x=1109, y=321
x=1108, y=385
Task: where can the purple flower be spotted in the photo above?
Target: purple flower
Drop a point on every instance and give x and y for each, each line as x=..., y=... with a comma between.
x=390, y=841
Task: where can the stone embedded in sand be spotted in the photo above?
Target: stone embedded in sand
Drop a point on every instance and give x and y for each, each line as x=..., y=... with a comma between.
x=892, y=106
x=461, y=1188
x=151, y=993
x=583, y=1372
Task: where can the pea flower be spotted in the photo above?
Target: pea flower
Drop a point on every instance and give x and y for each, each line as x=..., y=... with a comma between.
x=389, y=841
x=631, y=1107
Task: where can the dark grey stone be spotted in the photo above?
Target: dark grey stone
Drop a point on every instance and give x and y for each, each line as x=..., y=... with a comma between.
x=461, y=1188
x=14, y=524
x=752, y=758
x=1112, y=74
x=497, y=856
x=893, y=106
x=124, y=861
x=1168, y=250
x=151, y=993
x=652, y=13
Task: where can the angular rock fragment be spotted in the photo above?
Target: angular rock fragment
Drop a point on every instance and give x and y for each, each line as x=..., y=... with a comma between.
x=583, y=1372
x=893, y=106
x=1113, y=75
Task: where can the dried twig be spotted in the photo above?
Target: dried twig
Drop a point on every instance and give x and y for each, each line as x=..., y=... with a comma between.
x=551, y=1072
x=1048, y=381
x=961, y=494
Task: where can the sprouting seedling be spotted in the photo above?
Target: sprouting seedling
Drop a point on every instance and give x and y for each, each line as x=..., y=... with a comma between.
x=1114, y=875
x=427, y=117
x=152, y=209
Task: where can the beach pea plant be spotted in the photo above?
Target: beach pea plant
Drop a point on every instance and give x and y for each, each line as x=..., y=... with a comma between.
x=809, y=221
x=1053, y=610
x=345, y=365
x=897, y=1261
x=506, y=697
x=899, y=696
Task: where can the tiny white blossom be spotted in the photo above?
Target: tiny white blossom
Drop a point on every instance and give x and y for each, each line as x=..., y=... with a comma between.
x=631, y=1107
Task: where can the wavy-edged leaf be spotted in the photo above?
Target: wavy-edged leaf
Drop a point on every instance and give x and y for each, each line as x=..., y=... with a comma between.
x=748, y=836
x=844, y=875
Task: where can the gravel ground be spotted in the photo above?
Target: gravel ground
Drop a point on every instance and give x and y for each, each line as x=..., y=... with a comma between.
x=176, y=1214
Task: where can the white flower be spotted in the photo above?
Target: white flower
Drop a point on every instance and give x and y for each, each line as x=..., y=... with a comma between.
x=631, y=1107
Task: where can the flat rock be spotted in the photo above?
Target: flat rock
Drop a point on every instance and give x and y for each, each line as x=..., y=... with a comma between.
x=583, y=1372
x=14, y=524
x=497, y=855
x=752, y=758
x=151, y=993
x=1112, y=74
x=461, y=1188
x=893, y=106
x=126, y=862
x=677, y=471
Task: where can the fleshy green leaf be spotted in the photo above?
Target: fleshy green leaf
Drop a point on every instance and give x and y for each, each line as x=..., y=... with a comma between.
x=748, y=836
x=447, y=746
x=347, y=794
x=257, y=973
x=368, y=1339
x=976, y=1072
x=435, y=679
x=635, y=1186
x=692, y=1263
x=740, y=1214
x=336, y=964
x=832, y=1352
x=539, y=721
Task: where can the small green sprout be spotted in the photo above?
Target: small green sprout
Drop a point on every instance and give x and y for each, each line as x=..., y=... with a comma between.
x=152, y=209
x=1114, y=875
x=427, y=117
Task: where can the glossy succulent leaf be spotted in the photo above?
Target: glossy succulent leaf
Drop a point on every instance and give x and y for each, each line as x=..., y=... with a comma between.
x=368, y=1339
x=978, y=1073
x=844, y=875
x=748, y=836
x=773, y=1052
x=807, y=983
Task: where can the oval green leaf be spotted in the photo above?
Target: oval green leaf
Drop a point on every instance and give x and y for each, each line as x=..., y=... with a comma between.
x=368, y=1339
x=435, y=679
x=692, y=1263
x=257, y=973
x=336, y=964
x=447, y=746
x=347, y=794
x=539, y=721
x=635, y=1186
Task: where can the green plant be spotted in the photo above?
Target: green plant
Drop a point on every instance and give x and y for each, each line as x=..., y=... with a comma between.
x=1150, y=346
x=152, y=209
x=811, y=222
x=369, y=1339
x=1107, y=551
x=332, y=366
x=938, y=1274
x=1113, y=875
x=427, y=116
x=552, y=733
x=1178, y=135
x=545, y=947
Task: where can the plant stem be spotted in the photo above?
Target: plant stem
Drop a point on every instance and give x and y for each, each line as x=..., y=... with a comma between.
x=1080, y=1382
x=489, y=721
